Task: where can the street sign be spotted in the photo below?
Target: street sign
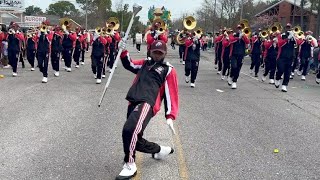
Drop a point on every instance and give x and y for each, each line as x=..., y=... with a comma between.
x=12, y=5
x=34, y=19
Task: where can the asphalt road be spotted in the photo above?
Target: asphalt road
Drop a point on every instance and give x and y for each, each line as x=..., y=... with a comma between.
x=57, y=131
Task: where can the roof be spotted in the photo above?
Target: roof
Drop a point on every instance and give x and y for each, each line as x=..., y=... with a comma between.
x=293, y=2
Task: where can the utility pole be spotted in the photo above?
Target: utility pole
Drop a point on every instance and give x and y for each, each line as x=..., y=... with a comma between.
x=86, y=14
x=241, y=10
x=214, y=15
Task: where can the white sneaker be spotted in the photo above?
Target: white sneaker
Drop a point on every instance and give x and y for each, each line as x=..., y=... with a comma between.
x=44, y=80
x=14, y=74
x=192, y=85
x=77, y=66
x=56, y=73
x=303, y=78
x=6, y=67
x=129, y=170
x=222, y=77
x=271, y=81
x=251, y=71
x=95, y=76
x=219, y=72
x=299, y=73
x=264, y=78
x=183, y=63
x=215, y=66
x=82, y=63
x=32, y=69
x=277, y=83
x=138, y=51
x=164, y=152
x=110, y=70
x=292, y=73
x=98, y=81
x=234, y=85
x=284, y=88
x=230, y=81
x=103, y=76
x=68, y=69
x=187, y=79
x=317, y=81
x=291, y=77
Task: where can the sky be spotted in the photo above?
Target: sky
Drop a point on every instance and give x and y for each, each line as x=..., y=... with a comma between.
x=177, y=7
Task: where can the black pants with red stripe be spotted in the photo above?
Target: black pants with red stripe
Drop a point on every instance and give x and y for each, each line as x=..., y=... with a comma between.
x=236, y=64
x=138, y=117
x=256, y=58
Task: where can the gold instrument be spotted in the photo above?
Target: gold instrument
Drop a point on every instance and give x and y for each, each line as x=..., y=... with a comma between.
x=65, y=24
x=162, y=25
x=189, y=23
x=247, y=31
x=198, y=32
x=264, y=34
x=296, y=29
x=11, y=31
x=113, y=23
x=43, y=28
x=276, y=27
x=98, y=30
x=244, y=23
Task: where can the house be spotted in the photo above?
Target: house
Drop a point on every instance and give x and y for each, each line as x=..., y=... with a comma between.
x=289, y=11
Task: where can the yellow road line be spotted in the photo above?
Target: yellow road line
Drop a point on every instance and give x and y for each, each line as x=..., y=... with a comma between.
x=183, y=170
x=139, y=158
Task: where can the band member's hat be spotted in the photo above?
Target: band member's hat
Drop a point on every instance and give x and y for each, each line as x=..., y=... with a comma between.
x=158, y=46
x=288, y=25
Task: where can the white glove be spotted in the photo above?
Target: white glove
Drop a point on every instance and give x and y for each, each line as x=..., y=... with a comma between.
x=122, y=44
x=156, y=36
x=66, y=32
x=240, y=35
x=112, y=33
x=170, y=124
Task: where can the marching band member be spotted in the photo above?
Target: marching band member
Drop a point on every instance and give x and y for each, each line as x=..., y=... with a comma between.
x=306, y=53
x=256, y=43
x=238, y=47
x=182, y=48
x=192, y=58
x=67, y=43
x=286, y=43
x=84, y=45
x=113, y=48
x=270, y=58
x=14, y=47
x=97, y=55
x=31, y=47
x=225, y=53
x=56, y=48
x=156, y=80
x=106, y=55
x=218, y=51
x=78, y=47
x=43, y=51
x=155, y=35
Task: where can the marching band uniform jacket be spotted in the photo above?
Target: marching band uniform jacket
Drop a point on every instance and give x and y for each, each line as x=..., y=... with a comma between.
x=153, y=83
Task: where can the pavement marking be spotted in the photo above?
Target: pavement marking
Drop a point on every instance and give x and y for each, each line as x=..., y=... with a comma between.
x=139, y=158
x=250, y=76
x=183, y=170
x=219, y=90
